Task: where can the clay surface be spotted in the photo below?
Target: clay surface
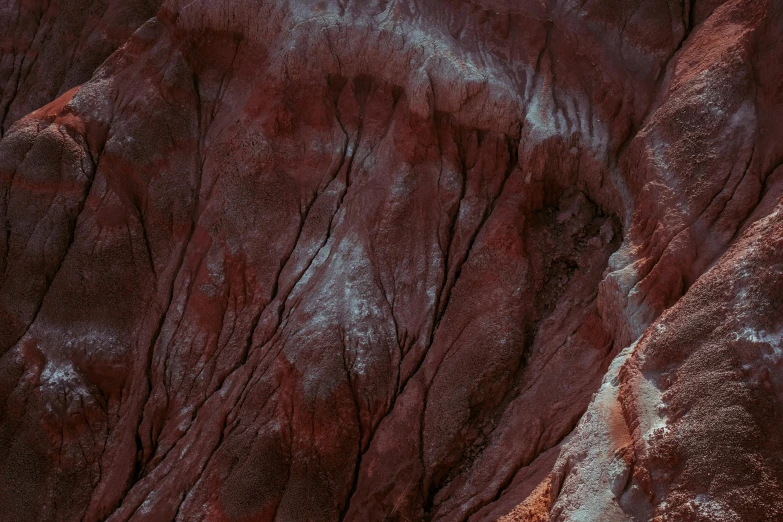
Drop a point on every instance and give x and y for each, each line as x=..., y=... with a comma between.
x=404, y=260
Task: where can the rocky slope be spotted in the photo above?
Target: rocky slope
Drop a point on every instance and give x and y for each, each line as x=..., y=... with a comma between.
x=48, y=47
x=391, y=260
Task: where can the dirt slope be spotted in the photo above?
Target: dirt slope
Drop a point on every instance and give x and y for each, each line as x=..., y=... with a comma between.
x=391, y=260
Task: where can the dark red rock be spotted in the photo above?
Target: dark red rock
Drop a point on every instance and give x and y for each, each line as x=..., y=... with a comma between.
x=47, y=47
x=372, y=261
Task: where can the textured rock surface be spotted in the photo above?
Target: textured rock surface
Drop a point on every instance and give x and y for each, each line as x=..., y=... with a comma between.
x=48, y=47
x=442, y=260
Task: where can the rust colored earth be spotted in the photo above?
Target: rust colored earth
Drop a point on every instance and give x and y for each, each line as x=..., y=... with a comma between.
x=391, y=260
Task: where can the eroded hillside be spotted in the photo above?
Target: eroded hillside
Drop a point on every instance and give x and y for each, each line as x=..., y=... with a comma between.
x=391, y=260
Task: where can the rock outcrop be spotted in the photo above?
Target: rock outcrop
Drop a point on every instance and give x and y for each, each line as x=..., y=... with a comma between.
x=391, y=260
x=50, y=46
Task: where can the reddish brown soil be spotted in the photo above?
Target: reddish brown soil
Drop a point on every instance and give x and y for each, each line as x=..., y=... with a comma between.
x=445, y=260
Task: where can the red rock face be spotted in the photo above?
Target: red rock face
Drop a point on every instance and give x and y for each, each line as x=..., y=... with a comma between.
x=401, y=260
x=47, y=47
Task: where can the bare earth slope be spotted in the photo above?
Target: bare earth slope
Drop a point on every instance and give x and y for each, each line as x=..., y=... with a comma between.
x=48, y=47
x=392, y=260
